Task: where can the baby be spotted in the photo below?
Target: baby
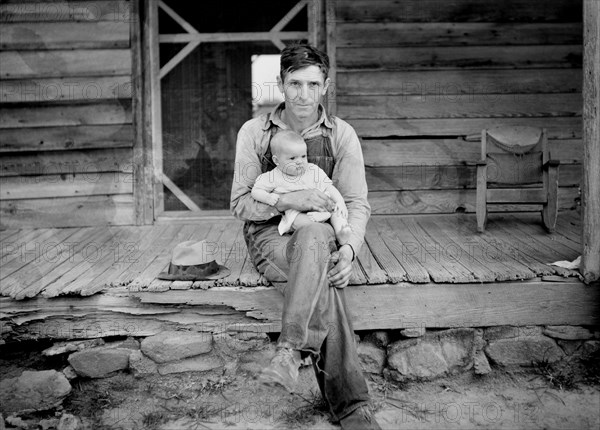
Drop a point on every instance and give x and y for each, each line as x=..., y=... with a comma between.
x=295, y=173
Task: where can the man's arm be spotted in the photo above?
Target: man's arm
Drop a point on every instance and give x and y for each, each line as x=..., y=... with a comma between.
x=247, y=169
x=337, y=198
x=350, y=179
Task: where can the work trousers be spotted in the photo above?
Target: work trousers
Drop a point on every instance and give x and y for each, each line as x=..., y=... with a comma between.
x=315, y=317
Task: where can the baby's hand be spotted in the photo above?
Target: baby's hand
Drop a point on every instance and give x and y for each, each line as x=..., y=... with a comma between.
x=272, y=199
x=342, y=211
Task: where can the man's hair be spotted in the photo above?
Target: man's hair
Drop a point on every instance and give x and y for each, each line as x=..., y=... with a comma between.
x=282, y=137
x=299, y=55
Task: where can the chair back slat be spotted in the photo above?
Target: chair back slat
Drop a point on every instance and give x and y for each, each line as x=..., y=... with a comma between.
x=506, y=168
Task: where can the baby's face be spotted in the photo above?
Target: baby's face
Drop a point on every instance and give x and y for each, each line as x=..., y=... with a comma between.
x=292, y=159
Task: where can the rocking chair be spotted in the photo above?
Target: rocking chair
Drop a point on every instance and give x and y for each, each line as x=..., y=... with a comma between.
x=518, y=160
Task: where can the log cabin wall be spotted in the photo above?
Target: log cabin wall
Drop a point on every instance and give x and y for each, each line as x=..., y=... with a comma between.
x=420, y=79
x=66, y=133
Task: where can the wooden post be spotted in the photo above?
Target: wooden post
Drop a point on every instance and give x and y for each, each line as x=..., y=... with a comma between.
x=316, y=24
x=331, y=52
x=590, y=261
x=151, y=101
x=143, y=201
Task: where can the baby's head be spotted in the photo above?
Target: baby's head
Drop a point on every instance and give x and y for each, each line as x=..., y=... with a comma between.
x=289, y=152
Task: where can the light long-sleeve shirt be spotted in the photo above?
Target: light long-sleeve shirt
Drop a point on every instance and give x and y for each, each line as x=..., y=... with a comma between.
x=348, y=174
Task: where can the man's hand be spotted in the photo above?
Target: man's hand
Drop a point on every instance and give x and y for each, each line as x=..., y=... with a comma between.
x=305, y=201
x=339, y=274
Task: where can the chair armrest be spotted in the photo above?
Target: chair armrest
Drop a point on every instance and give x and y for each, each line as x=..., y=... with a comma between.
x=552, y=163
x=475, y=163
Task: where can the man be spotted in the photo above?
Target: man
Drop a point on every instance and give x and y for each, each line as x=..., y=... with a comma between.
x=307, y=266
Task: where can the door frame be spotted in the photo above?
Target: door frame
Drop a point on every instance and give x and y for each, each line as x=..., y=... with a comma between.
x=149, y=178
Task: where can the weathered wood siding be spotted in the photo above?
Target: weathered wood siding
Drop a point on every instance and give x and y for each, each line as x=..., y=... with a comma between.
x=419, y=79
x=66, y=131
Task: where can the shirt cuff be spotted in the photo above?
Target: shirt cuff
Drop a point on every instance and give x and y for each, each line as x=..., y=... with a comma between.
x=355, y=243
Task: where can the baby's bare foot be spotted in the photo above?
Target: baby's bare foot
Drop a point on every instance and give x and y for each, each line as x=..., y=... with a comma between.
x=318, y=216
x=343, y=235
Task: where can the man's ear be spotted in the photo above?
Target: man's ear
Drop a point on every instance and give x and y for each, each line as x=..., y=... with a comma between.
x=326, y=86
x=280, y=84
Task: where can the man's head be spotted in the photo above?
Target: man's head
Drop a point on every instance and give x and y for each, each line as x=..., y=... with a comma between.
x=300, y=55
x=289, y=152
x=303, y=80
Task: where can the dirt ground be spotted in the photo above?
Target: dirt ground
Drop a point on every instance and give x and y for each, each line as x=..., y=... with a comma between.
x=540, y=397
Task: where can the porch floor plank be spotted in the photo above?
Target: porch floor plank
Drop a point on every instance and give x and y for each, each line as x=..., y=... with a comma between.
x=129, y=251
x=23, y=250
x=85, y=262
x=456, y=250
x=381, y=240
x=554, y=240
x=570, y=225
x=554, y=248
x=398, y=250
x=441, y=267
x=88, y=283
x=461, y=249
x=374, y=274
x=357, y=277
x=32, y=279
x=477, y=250
x=535, y=254
x=8, y=236
x=235, y=258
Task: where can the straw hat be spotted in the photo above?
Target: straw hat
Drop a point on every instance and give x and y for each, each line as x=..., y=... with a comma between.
x=192, y=261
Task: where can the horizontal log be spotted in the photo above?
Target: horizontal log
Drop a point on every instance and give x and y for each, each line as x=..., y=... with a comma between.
x=73, y=89
x=435, y=152
x=68, y=211
x=443, y=177
x=65, y=185
x=558, y=127
x=60, y=138
x=460, y=106
x=482, y=57
x=67, y=162
x=450, y=201
x=458, y=11
x=64, y=63
x=58, y=115
x=512, y=195
x=448, y=82
x=65, y=35
x=370, y=307
x=65, y=11
x=430, y=305
x=379, y=34
x=232, y=37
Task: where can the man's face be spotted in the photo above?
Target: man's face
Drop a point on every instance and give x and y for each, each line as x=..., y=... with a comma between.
x=303, y=90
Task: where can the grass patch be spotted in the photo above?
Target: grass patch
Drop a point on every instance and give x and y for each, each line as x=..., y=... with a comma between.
x=312, y=409
x=152, y=420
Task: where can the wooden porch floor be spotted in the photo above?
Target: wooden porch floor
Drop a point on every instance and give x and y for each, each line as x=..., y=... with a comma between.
x=399, y=251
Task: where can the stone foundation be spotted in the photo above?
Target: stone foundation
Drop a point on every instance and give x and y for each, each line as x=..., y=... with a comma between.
x=400, y=355
x=428, y=353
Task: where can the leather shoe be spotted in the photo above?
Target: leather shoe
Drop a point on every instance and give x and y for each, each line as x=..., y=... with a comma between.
x=360, y=419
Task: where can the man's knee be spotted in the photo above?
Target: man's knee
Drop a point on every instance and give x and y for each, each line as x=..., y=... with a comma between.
x=322, y=232
x=315, y=241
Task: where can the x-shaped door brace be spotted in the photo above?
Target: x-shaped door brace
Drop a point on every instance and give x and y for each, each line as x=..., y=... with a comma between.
x=194, y=38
